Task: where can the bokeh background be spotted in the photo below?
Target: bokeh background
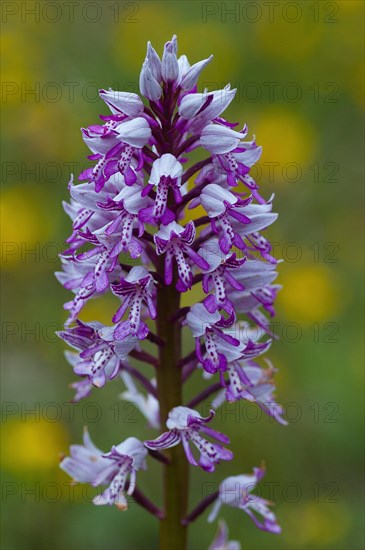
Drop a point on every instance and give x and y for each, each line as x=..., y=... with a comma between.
x=298, y=67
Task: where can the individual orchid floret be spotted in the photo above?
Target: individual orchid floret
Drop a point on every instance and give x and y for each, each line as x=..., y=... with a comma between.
x=221, y=206
x=258, y=243
x=223, y=343
x=235, y=491
x=174, y=241
x=239, y=225
x=127, y=458
x=135, y=289
x=201, y=109
x=88, y=464
x=261, y=388
x=105, y=263
x=260, y=217
x=237, y=163
x=185, y=425
x=207, y=327
x=251, y=345
x=72, y=277
x=79, y=215
x=127, y=206
x=255, y=275
x=221, y=541
x=87, y=274
x=165, y=174
x=256, y=278
x=247, y=380
x=97, y=359
x=85, y=213
x=116, y=151
x=250, y=302
x=147, y=405
x=219, y=276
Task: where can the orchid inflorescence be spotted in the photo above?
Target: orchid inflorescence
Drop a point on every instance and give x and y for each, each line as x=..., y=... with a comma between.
x=148, y=226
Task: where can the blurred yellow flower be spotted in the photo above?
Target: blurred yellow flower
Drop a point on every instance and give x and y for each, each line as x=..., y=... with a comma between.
x=311, y=294
x=24, y=223
x=288, y=142
x=32, y=446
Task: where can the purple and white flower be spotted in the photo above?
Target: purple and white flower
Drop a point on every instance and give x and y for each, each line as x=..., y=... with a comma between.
x=126, y=205
x=222, y=276
x=186, y=425
x=200, y=109
x=98, y=357
x=236, y=165
x=88, y=464
x=117, y=150
x=235, y=491
x=222, y=206
x=175, y=241
x=207, y=328
x=165, y=175
x=248, y=380
x=136, y=289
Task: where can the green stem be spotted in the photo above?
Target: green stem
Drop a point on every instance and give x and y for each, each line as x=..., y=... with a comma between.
x=173, y=535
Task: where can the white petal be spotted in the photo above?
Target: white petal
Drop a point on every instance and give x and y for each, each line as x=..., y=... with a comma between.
x=166, y=165
x=178, y=417
x=191, y=104
x=134, y=448
x=213, y=197
x=214, y=512
x=191, y=76
x=219, y=139
x=125, y=102
x=148, y=84
x=135, y=132
x=166, y=230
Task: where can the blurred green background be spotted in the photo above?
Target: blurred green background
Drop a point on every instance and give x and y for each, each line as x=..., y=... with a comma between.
x=298, y=67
